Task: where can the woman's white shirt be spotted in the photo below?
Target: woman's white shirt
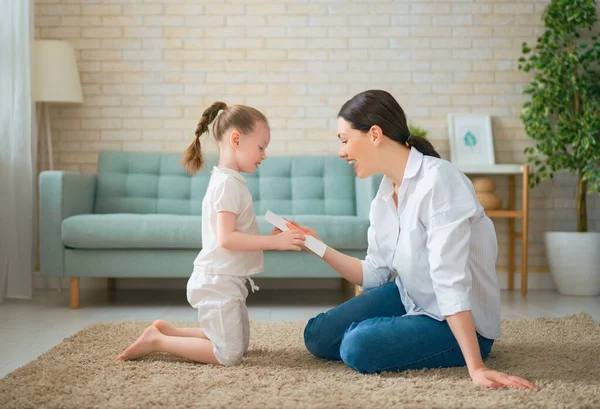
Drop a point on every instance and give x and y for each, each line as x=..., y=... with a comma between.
x=227, y=192
x=438, y=241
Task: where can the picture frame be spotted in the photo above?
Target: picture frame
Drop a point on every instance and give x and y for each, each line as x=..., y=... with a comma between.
x=471, y=139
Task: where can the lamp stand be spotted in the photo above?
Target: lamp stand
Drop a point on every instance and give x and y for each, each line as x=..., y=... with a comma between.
x=43, y=114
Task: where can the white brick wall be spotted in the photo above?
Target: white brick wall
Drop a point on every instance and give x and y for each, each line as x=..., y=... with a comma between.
x=149, y=69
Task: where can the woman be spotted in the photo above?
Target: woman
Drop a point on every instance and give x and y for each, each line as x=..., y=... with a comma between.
x=428, y=230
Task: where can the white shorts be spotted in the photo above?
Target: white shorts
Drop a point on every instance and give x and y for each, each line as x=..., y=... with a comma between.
x=222, y=313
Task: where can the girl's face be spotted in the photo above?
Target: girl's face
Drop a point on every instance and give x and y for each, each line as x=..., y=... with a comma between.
x=357, y=148
x=250, y=149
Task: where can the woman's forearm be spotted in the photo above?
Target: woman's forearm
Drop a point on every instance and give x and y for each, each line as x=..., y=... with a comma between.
x=348, y=267
x=463, y=328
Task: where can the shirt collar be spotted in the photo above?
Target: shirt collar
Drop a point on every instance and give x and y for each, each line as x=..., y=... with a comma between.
x=415, y=159
x=230, y=172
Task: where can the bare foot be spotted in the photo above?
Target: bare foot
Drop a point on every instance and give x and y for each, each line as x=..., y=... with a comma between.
x=144, y=345
x=167, y=329
x=164, y=327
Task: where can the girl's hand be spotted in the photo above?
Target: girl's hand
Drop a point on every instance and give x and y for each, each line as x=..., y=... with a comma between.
x=275, y=230
x=494, y=379
x=289, y=240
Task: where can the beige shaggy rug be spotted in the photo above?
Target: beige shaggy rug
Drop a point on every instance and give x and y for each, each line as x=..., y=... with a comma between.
x=562, y=355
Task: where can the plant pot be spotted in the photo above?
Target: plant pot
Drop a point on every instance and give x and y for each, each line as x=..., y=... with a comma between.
x=574, y=260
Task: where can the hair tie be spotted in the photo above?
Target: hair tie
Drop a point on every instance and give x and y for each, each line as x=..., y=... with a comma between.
x=408, y=140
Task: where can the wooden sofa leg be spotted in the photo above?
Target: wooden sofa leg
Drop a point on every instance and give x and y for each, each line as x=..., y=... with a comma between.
x=112, y=284
x=350, y=290
x=347, y=289
x=74, y=292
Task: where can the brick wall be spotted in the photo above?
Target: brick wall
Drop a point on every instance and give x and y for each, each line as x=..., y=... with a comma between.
x=149, y=69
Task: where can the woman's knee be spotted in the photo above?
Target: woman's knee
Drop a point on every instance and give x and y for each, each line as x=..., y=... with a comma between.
x=485, y=347
x=355, y=350
x=313, y=340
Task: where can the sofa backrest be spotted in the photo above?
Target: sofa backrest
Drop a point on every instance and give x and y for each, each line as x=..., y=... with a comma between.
x=143, y=182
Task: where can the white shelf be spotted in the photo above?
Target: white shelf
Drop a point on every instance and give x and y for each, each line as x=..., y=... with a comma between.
x=499, y=169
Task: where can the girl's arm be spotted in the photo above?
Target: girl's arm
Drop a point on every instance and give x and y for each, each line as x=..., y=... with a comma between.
x=463, y=328
x=232, y=239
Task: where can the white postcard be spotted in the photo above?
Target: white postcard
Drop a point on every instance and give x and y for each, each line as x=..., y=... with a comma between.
x=315, y=245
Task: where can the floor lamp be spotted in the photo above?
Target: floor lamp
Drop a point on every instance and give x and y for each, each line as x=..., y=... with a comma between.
x=55, y=81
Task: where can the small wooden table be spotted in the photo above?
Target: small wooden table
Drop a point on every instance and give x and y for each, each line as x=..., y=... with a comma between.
x=511, y=213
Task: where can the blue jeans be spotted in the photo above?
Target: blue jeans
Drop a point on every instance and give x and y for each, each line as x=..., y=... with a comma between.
x=372, y=333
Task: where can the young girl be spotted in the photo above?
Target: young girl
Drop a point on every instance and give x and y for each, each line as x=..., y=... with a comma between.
x=231, y=245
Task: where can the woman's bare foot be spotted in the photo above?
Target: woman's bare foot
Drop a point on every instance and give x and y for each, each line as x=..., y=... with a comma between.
x=144, y=345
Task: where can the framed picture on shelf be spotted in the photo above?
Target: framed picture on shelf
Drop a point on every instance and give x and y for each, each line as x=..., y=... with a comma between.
x=471, y=139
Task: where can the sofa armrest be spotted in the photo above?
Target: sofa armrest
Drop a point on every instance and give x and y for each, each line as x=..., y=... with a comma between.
x=366, y=189
x=62, y=194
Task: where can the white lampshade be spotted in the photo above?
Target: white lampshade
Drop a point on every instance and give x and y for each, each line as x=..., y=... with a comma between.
x=55, y=74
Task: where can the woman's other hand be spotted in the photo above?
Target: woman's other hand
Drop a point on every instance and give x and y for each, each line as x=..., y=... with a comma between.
x=494, y=379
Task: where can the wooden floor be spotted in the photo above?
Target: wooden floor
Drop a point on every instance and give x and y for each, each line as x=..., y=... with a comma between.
x=29, y=328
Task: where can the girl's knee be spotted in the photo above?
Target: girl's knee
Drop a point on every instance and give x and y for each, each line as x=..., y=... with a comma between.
x=230, y=357
x=230, y=351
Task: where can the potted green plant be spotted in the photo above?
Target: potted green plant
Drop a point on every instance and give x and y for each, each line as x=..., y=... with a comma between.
x=562, y=116
x=417, y=130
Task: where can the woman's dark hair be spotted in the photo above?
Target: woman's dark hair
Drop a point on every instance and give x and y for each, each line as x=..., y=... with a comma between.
x=377, y=107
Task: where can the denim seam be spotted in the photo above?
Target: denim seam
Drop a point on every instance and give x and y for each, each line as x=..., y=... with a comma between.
x=421, y=360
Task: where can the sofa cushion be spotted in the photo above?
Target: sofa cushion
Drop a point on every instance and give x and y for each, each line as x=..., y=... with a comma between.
x=142, y=231
x=156, y=183
x=160, y=231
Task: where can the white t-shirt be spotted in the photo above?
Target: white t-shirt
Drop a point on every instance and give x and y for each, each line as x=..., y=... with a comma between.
x=227, y=191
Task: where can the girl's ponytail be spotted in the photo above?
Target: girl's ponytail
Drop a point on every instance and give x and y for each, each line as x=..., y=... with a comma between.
x=192, y=158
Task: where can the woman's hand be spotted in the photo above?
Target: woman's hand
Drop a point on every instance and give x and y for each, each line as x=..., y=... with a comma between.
x=305, y=230
x=308, y=230
x=493, y=379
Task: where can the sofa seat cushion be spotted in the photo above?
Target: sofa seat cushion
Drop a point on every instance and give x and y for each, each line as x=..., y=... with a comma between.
x=164, y=231
x=141, y=231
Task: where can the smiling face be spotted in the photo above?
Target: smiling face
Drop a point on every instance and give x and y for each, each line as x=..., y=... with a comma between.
x=358, y=147
x=250, y=148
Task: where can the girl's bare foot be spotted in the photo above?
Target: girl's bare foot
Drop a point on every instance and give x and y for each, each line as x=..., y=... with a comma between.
x=167, y=329
x=144, y=345
x=164, y=327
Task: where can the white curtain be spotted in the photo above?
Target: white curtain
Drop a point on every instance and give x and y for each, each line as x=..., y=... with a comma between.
x=18, y=150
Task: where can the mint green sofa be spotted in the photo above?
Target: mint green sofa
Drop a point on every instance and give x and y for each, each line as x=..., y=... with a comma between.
x=140, y=216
